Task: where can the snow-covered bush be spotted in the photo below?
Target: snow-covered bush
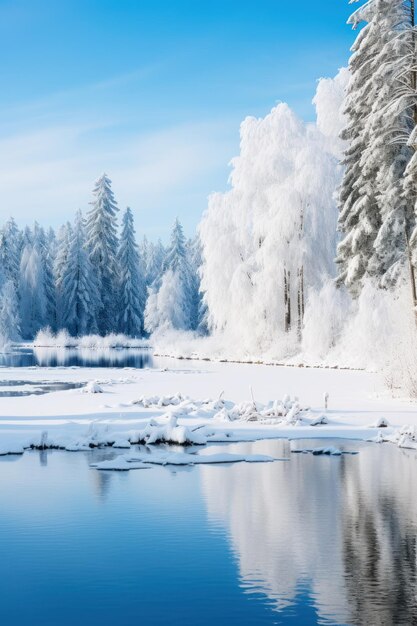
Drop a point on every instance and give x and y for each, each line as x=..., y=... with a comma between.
x=325, y=315
x=45, y=338
x=381, y=334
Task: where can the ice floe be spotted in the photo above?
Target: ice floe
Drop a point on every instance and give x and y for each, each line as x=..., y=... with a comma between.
x=141, y=460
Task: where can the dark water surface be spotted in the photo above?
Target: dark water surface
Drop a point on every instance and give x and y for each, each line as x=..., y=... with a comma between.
x=77, y=357
x=18, y=388
x=315, y=540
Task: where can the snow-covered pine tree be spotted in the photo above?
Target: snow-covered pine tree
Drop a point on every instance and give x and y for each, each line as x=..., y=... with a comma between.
x=102, y=245
x=31, y=292
x=375, y=212
x=9, y=312
x=198, y=307
x=359, y=218
x=132, y=288
x=41, y=244
x=388, y=153
x=169, y=302
x=154, y=261
x=10, y=251
x=61, y=256
x=143, y=257
x=80, y=295
x=52, y=243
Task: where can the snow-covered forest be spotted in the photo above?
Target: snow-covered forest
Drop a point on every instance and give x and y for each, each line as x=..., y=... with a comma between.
x=309, y=254
x=94, y=277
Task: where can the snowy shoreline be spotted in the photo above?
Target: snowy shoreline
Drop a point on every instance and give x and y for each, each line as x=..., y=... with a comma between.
x=258, y=361
x=217, y=402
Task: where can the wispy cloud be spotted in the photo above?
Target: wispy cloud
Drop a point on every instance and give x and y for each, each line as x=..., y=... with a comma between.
x=48, y=174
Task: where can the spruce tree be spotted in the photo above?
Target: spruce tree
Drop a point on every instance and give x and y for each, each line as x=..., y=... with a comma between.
x=9, y=312
x=31, y=292
x=61, y=256
x=10, y=250
x=131, y=281
x=359, y=219
x=102, y=245
x=41, y=244
x=375, y=208
x=80, y=295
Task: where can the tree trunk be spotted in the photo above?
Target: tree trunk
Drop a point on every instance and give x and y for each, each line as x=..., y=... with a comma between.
x=412, y=274
x=300, y=292
x=414, y=88
x=287, y=300
x=300, y=303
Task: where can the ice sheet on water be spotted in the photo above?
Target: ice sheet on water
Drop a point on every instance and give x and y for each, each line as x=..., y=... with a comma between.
x=141, y=460
x=326, y=450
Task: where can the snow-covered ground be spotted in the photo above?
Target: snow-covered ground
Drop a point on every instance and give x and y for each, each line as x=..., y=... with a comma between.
x=199, y=402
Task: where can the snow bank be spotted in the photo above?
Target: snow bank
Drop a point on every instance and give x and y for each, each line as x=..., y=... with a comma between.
x=147, y=408
x=47, y=339
x=93, y=387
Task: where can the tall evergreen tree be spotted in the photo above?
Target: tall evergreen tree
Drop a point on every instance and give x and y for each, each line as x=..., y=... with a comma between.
x=154, y=261
x=102, y=244
x=60, y=261
x=10, y=251
x=41, y=244
x=131, y=280
x=80, y=295
x=375, y=213
x=198, y=307
x=9, y=312
x=359, y=219
x=31, y=292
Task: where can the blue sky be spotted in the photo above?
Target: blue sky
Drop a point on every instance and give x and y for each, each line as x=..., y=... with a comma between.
x=152, y=92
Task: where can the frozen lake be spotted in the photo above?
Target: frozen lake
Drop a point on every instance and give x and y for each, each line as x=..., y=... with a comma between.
x=311, y=540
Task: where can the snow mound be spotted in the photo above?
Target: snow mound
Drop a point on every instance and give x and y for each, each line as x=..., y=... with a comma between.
x=169, y=432
x=320, y=420
x=159, y=401
x=92, y=387
x=382, y=422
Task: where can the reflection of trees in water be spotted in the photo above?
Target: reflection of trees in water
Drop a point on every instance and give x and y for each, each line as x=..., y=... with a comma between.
x=88, y=357
x=43, y=458
x=101, y=480
x=346, y=525
x=379, y=538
